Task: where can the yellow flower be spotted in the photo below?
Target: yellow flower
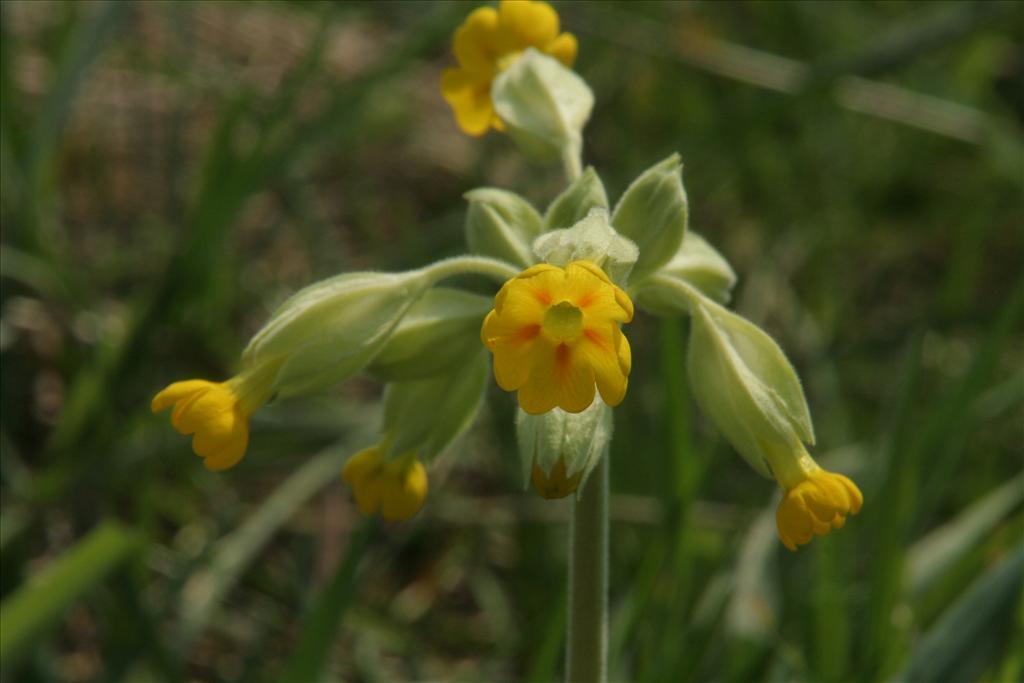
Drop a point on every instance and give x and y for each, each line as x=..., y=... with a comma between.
x=554, y=333
x=486, y=44
x=816, y=504
x=217, y=413
x=397, y=488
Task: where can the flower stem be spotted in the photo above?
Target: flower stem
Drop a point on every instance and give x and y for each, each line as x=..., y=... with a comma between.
x=587, y=660
x=572, y=162
x=498, y=271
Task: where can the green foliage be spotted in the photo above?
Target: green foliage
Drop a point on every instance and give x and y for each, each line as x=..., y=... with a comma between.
x=171, y=171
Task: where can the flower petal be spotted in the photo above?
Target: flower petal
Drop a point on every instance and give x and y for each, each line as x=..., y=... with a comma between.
x=476, y=41
x=597, y=348
x=561, y=379
x=524, y=24
x=176, y=392
x=470, y=100
x=564, y=48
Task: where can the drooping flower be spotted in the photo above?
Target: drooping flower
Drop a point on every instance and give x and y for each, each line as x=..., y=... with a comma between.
x=815, y=504
x=396, y=488
x=555, y=333
x=486, y=43
x=217, y=413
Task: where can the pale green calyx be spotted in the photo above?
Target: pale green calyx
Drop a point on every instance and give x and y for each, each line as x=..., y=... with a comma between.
x=576, y=201
x=502, y=225
x=427, y=415
x=591, y=239
x=653, y=213
x=563, y=445
x=543, y=105
x=745, y=384
x=328, y=331
x=439, y=332
x=696, y=263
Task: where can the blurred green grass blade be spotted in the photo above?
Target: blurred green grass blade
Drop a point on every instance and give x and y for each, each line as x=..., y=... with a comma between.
x=32, y=272
x=38, y=604
x=204, y=590
x=752, y=613
x=974, y=615
x=929, y=558
x=312, y=654
x=84, y=46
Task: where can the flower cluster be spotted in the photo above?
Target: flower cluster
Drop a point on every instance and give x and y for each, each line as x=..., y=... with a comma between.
x=553, y=333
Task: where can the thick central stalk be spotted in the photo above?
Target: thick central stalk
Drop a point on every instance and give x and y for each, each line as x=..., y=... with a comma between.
x=588, y=581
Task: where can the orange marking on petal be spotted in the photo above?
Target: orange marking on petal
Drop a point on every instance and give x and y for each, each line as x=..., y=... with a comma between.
x=586, y=299
x=562, y=357
x=528, y=332
x=595, y=337
x=542, y=296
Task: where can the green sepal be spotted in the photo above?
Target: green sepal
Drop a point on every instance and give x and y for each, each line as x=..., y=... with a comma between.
x=543, y=105
x=591, y=239
x=576, y=201
x=653, y=213
x=440, y=331
x=696, y=263
x=745, y=384
x=426, y=415
x=330, y=330
x=580, y=439
x=502, y=225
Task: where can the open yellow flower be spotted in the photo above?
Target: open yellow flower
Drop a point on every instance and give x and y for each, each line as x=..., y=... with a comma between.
x=486, y=44
x=555, y=333
x=397, y=489
x=217, y=413
x=815, y=504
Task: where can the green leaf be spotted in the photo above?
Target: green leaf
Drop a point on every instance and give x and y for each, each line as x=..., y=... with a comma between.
x=929, y=558
x=39, y=603
x=975, y=614
x=576, y=201
x=653, y=213
x=312, y=654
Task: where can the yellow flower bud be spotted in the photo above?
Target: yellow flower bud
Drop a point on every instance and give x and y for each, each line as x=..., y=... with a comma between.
x=397, y=488
x=217, y=413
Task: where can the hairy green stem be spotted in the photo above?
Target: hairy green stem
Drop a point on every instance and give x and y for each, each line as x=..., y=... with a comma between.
x=587, y=660
x=498, y=271
x=572, y=162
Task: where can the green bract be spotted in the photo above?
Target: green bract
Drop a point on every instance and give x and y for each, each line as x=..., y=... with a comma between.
x=329, y=331
x=577, y=439
x=653, y=213
x=440, y=331
x=742, y=380
x=502, y=225
x=543, y=105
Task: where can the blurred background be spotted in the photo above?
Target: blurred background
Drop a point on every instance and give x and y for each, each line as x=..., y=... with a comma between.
x=172, y=171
